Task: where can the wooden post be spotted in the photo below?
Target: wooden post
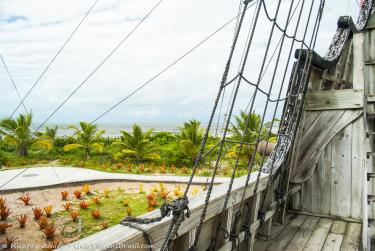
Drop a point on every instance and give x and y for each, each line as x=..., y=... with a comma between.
x=254, y=203
x=264, y=231
x=185, y=241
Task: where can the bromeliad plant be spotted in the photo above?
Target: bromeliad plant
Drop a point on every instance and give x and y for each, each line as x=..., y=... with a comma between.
x=48, y=210
x=64, y=195
x=96, y=200
x=78, y=194
x=26, y=199
x=105, y=224
x=22, y=219
x=83, y=205
x=66, y=206
x=2, y=202
x=9, y=242
x=3, y=227
x=86, y=189
x=43, y=221
x=74, y=215
x=37, y=213
x=4, y=213
x=87, y=138
x=49, y=231
x=95, y=214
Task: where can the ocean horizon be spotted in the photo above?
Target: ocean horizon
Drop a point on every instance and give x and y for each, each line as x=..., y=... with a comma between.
x=113, y=129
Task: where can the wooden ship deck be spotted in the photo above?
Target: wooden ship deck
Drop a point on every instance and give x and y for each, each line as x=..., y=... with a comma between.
x=305, y=232
x=327, y=191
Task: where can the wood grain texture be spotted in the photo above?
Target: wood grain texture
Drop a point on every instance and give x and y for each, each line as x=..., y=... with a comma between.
x=341, y=175
x=334, y=100
x=314, y=141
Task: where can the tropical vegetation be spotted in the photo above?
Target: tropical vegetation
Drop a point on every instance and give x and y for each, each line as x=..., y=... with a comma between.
x=135, y=151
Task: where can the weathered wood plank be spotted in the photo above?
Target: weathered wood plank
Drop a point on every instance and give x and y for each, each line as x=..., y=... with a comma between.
x=317, y=140
x=358, y=61
x=320, y=233
x=333, y=242
x=302, y=236
x=352, y=237
x=321, y=183
x=358, y=167
x=338, y=227
x=297, y=220
x=282, y=240
x=334, y=100
x=341, y=174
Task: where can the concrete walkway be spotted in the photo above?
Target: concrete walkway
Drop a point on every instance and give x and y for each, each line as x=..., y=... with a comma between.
x=35, y=177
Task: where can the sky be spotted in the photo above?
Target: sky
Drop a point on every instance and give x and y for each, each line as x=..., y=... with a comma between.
x=31, y=33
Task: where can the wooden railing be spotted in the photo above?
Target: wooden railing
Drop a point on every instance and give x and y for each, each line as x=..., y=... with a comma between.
x=123, y=238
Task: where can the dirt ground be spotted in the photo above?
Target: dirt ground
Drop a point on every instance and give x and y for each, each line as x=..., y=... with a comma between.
x=31, y=237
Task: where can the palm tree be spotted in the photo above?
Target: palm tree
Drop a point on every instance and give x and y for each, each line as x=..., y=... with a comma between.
x=17, y=132
x=245, y=133
x=191, y=137
x=51, y=132
x=137, y=145
x=249, y=134
x=86, y=137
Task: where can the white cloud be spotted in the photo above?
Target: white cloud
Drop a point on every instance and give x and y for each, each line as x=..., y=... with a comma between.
x=40, y=27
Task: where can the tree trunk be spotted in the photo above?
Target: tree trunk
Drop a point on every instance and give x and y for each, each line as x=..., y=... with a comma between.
x=87, y=153
x=23, y=150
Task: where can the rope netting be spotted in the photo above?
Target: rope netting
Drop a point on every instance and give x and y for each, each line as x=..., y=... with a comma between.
x=277, y=88
x=293, y=101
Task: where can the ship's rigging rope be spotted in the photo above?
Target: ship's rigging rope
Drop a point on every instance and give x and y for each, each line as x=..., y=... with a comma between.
x=291, y=117
x=55, y=57
x=288, y=126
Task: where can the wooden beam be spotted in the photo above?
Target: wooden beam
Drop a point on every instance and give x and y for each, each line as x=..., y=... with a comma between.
x=334, y=100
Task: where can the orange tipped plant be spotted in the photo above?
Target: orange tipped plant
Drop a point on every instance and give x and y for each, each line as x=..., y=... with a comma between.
x=26, y=199
x=78, y=194
x=48, y=210
x=8, y=242
x=95, y=214
x=163, y=194
x=49, y=231
x=150, y=196
x=43, y=222
x=129, y=211
x=64, y=195
x=37, y=213
x=66, y=206
x=55, y=244
x=86, y=188
x=96, y=200
x=105, y=224
x=74, y=215
x=106, y=193
x=83, y=205
x=125, y=202
x=2, y=202
x=3, y=227
x=152, y=203
x=4, y=213
x=22, y=219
